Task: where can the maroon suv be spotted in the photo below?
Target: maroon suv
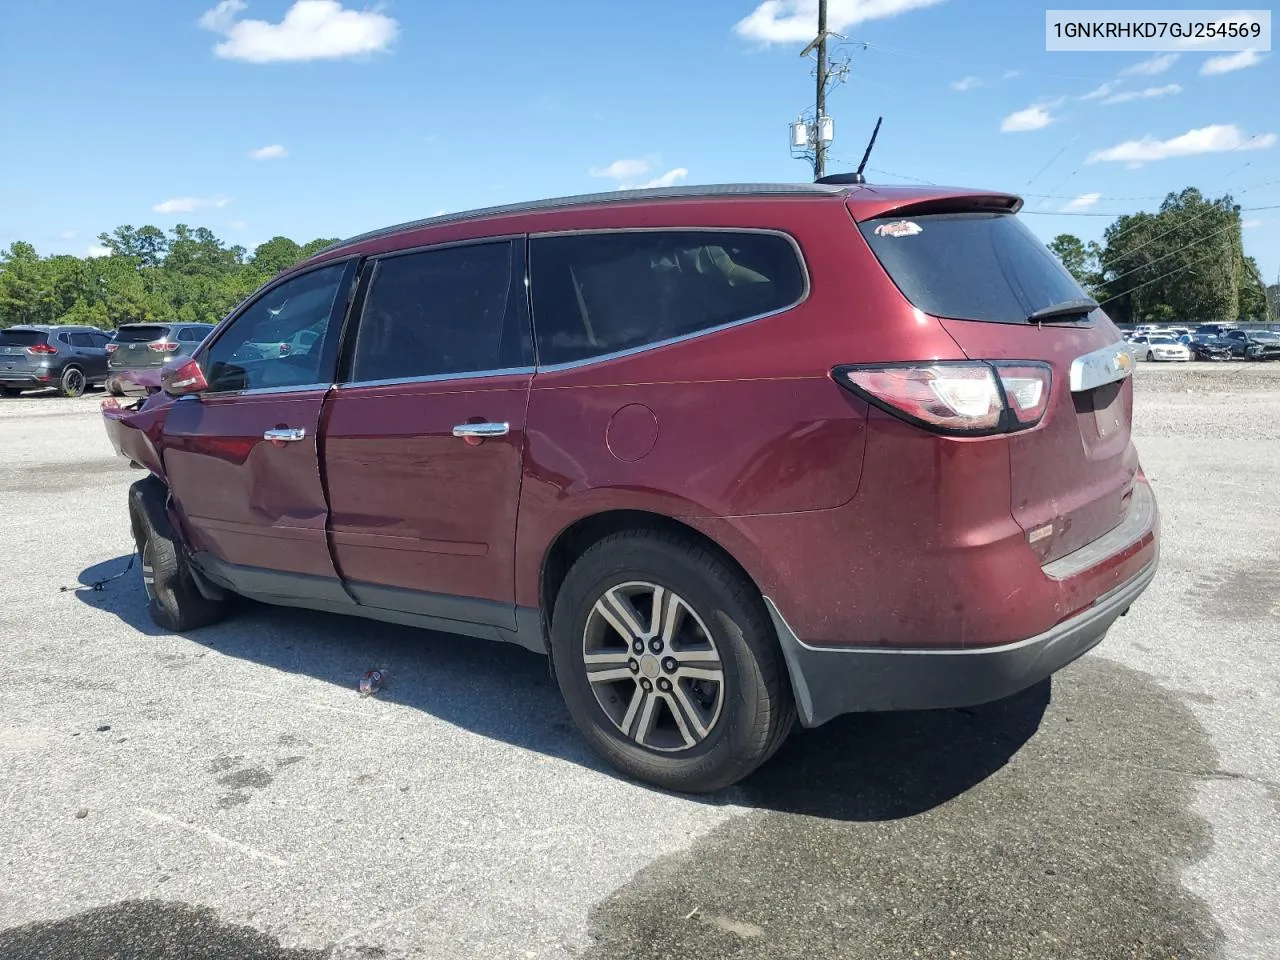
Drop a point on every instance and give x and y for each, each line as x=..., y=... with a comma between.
x=728, y=455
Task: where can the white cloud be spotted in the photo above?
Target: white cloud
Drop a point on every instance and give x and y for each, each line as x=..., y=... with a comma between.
x=965, y=83
x=310, y=30
x=1230, y=61
x=1148, y=94
x=440, y=213
x=1103, y=91
x=625, y=169
x=1151, y=66
x=1082, y=202
x=67, y=235
x=188, y=204
x=273, y=152
x=1250, y=224
x=239, y=224
x=1010, y=74
x=1032, y=118
x=1217, y=138
x=668, y=179
x=796, y=21
x=94, y=252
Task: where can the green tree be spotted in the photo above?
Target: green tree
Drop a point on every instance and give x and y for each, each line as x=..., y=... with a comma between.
x=1081, y=260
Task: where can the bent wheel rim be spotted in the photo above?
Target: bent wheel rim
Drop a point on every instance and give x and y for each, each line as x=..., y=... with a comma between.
x=653, y=667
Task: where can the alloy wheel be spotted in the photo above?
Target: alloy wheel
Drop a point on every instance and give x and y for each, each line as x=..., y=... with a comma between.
x=653, y=667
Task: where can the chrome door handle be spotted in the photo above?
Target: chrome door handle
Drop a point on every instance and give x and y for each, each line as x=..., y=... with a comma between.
x=482, y=430
x=285, y=434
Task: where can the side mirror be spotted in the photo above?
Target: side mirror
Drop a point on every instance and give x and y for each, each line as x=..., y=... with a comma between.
x=182, y=377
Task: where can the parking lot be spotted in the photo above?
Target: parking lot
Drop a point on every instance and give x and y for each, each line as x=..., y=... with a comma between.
x=228, y=794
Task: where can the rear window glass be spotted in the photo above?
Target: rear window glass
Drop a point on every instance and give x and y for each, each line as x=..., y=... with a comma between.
x=22, y=338
x=141, y=333
x=970, y=266
x=599, y=293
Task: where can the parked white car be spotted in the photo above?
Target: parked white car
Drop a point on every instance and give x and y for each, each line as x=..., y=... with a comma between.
x=1160, y=347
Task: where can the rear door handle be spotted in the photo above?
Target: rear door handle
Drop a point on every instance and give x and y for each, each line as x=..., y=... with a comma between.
x=285, y=434
x=482, y=430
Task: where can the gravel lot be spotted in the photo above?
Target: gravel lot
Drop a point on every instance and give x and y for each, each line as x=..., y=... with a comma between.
x=228, y=795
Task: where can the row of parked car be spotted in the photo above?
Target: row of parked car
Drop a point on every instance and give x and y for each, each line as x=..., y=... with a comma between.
x=72, y=359
x=1209, y=341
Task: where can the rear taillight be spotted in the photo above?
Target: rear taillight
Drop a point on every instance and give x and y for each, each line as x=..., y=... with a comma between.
x=112, y=347
x=162, y=346
x=41, y=349
x=963, y=398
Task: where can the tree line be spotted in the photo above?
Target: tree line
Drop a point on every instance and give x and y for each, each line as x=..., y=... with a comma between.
x=186, y=274
x=1184, y=263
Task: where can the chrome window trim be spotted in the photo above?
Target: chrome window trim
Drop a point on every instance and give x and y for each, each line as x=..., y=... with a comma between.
x=263, y=391
x=670, y=341
x=437, y=378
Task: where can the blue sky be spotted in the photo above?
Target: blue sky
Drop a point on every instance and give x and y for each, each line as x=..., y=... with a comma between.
x=148, y=111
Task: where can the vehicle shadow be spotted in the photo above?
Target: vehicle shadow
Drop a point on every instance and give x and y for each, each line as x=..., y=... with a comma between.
x=856, y=768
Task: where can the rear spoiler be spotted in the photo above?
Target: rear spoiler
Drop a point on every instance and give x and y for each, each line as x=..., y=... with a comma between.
x=865, y=207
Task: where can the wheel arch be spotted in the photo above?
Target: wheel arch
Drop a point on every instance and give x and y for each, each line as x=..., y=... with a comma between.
x=579, y=536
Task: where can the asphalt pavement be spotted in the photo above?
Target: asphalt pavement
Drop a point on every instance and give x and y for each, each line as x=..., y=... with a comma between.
x=227, y=795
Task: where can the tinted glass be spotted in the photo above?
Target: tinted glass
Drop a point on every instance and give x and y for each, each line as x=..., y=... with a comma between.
x=970, y=266
x=440, y=312
x=82, y=340
x=100, y=339
x=190, y=335
x=256, y=350
x=141, y=333
x=22, y=338
x=598, y=293
x=1266, y=336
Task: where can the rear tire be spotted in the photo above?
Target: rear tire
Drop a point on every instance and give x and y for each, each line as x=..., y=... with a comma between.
x=660, y=717
x=174, y=601
x=1150, y=357
x=73, y=382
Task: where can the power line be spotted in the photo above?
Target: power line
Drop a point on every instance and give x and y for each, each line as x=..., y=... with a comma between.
x=1185, y=246
x=1185, y=266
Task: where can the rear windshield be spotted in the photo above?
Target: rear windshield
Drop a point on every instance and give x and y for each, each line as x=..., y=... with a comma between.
x=141, y=333
x=970, y=266
x=22, y=338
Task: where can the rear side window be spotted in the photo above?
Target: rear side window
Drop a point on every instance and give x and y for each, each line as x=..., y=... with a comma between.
x=82, y=340
x=599, y=293
x=438, y=312
x=970, y=266
x=191, y=335
x=22, y=338
x=141, y=333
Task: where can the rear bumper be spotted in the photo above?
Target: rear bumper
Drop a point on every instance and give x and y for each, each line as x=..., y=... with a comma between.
x=830, y=682
x=36, y=379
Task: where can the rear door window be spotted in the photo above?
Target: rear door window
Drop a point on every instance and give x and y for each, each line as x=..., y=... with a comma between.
x=141, y=333
x=451, y=310
x=970, y=266
x=601, y=293
x=82, y=340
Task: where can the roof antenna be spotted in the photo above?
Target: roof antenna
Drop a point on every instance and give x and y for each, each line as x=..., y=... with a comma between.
x=867, y=156
x=857, y=176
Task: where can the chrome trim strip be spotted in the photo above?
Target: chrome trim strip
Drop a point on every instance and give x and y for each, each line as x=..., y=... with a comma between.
x=438, y=378
x=1106, y=365
x=263, y=391
x=617, y=354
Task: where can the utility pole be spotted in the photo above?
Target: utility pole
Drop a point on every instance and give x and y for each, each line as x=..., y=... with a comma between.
x=811, y=135
x=820, y=145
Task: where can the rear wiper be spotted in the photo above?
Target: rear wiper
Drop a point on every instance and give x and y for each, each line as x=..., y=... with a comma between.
x=1067, y=308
